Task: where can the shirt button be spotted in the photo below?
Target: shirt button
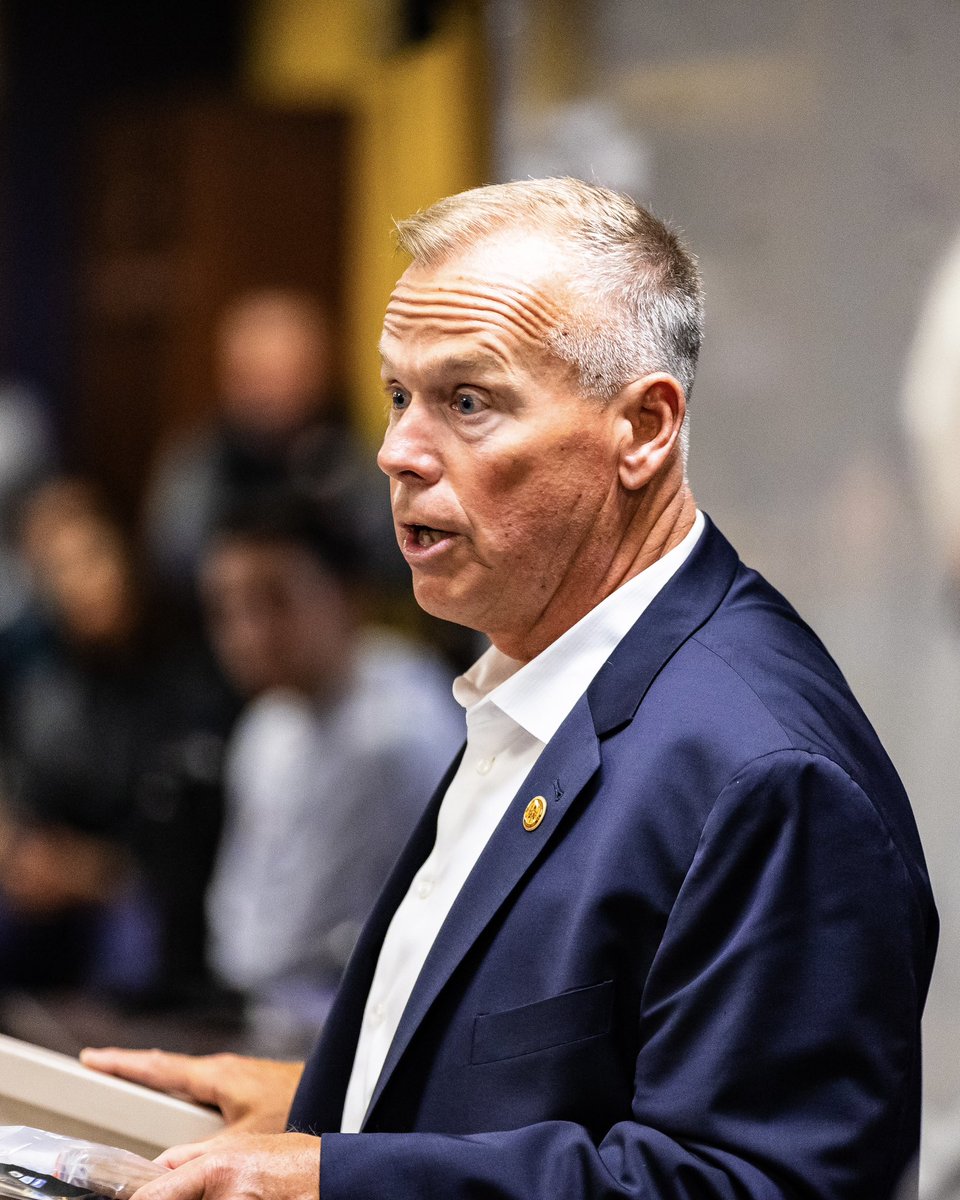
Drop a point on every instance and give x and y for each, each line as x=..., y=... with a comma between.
x=377, y=1013
x=424, y=888
x=484, y=766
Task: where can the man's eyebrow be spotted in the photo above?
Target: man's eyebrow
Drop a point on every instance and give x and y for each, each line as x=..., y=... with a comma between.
x=458, y=364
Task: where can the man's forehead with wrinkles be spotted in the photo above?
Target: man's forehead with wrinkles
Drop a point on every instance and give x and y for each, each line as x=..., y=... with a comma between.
x=512, y=283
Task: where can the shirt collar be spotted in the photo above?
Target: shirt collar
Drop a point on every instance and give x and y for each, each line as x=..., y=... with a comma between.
x=539, y=694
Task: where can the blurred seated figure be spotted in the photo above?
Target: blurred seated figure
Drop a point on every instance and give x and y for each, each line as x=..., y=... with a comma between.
x=110, y=753
x=931, y=407
x=347, y=731
x=279, y=422
x=26, y=454
x=931, y=411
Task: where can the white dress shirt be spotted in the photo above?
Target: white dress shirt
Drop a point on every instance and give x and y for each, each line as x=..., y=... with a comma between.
x=512, y=711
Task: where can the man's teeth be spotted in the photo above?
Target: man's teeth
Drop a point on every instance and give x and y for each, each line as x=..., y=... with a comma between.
x=427, y=536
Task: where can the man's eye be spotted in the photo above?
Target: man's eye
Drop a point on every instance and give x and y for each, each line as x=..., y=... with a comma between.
x=398, y=398
x=468, y=404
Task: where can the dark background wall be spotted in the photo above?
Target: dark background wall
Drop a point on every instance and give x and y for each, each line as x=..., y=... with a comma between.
x=62, y=63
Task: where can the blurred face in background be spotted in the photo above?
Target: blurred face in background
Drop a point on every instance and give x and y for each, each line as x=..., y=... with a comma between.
x=277, y=618
x=272, y=363
x=81, y=566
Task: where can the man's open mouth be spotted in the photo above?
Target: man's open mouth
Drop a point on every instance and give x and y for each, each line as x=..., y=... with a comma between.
x=426, y=535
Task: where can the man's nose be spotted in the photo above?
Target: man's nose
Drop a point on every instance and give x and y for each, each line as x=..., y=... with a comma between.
x=408, y=452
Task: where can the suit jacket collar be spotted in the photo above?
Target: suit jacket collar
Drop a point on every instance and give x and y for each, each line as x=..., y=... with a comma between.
x=674, y=615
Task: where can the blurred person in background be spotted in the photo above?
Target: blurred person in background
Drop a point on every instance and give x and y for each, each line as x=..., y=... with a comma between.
x=110, y=749
x=279, y=421
x=26, y=454
x=347, y=729
x=932, y=415
x=932, y=419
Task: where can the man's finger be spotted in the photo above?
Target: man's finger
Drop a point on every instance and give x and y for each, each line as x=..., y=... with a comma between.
x=187, y=1183
x=176, y=1156
x=174, y=1073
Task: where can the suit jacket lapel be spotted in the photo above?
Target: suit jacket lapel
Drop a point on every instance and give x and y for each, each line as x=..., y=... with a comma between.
x=560, y=774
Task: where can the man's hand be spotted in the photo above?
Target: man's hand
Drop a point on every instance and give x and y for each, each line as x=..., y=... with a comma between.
x=254, y=1094
x=282, y=1166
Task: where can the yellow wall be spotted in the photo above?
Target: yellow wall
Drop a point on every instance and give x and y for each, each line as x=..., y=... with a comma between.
x=420, y=115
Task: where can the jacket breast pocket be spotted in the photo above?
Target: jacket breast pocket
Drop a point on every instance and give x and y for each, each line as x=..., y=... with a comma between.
x=570, y=1017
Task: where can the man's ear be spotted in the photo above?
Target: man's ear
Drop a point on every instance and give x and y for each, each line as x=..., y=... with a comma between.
x=650, y=414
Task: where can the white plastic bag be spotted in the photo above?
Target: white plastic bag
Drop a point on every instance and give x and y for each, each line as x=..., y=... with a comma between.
x=30, y=1158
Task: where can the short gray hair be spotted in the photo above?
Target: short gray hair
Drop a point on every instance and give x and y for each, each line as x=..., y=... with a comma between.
x=637, y=293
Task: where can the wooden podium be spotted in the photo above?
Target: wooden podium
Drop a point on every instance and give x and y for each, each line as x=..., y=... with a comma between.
x=53, y=1091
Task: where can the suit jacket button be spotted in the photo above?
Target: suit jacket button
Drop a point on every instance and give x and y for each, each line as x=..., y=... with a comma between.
x=534, y=813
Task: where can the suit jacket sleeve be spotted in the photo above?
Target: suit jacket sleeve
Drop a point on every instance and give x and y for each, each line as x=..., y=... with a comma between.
x=778, y=1026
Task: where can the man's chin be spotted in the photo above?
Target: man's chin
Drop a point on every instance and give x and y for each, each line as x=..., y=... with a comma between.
x=435, y=598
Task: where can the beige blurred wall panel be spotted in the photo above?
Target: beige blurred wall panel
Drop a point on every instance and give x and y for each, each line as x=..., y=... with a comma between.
x=52, y=1091
x=420, y=118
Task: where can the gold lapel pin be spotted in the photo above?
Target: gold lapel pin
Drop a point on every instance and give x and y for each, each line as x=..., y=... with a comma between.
x=534, y=813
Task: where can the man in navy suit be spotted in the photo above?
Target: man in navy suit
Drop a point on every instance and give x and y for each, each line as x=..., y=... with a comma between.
x=665, y=930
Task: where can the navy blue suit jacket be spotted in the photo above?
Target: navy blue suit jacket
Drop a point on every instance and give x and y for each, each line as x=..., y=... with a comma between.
x=701, y=976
